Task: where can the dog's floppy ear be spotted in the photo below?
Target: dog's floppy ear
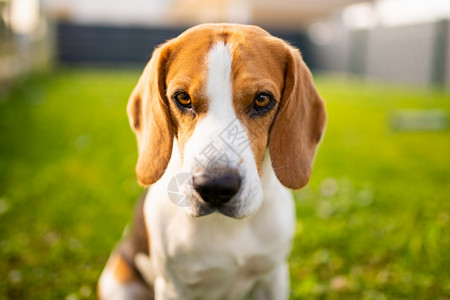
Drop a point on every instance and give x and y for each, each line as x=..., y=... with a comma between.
x=298, y=125
x=149, y=118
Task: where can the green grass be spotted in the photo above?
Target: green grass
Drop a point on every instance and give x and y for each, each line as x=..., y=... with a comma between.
x=372, y=224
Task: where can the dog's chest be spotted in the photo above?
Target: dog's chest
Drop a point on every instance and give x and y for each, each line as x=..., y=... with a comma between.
x=219, y=266
x=204, y=272
x=230, y=258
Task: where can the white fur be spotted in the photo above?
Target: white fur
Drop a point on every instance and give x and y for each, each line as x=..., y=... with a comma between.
x=110, y=288
x=214, y=256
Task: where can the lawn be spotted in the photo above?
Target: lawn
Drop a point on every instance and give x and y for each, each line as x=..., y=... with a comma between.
x=374, y=222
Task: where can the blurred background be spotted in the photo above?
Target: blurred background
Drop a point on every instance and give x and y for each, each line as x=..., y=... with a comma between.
x=372, y=224
x=393, y=40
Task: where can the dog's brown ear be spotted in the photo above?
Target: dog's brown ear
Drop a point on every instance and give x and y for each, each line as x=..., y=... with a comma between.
x=149, y=118
x=298, y=125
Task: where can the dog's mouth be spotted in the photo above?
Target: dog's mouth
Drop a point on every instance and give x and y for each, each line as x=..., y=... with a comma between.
x=201, y=208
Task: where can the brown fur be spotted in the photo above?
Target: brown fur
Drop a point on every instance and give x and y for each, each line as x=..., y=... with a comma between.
x=121, y=269
x=260, y=63
x=150, y=119
x=298, y=126
x=258, y=66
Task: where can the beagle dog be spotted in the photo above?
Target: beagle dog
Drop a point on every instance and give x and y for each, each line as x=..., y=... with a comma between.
x=227, y=117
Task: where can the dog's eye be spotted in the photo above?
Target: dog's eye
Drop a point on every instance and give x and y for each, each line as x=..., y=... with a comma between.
x=262, y=104
x=262, y=101
x=183, y=99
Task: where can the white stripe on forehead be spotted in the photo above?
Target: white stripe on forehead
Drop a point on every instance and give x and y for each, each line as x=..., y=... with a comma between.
x=219, y=139
x=218, y=82
x=220, y=114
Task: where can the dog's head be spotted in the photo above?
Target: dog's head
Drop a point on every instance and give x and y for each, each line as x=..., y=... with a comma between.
x=223, y=94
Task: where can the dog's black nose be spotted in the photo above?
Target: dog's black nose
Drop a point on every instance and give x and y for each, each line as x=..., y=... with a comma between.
x=217, y=187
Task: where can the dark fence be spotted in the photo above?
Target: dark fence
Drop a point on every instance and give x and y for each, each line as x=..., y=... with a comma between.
x=95, y=44
x=119, y=45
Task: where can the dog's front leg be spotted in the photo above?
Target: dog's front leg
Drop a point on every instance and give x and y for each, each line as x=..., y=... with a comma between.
x=165, y=290
x=119, y=281
x=274, y=285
